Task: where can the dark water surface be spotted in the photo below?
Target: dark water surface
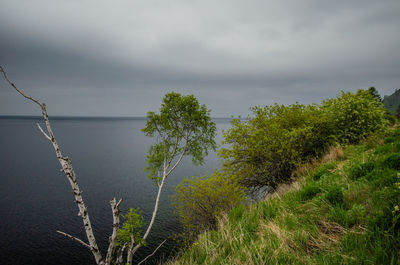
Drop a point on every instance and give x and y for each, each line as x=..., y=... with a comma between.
x=108, y=156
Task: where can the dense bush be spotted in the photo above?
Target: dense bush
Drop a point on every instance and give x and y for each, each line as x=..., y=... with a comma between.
x=265, y=149
x=199, y=201
x=355, y=116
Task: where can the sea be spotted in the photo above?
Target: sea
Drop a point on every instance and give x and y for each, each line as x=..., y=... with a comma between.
x=108, y=155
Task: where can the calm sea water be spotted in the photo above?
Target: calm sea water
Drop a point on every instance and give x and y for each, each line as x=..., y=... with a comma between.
x=108, y=156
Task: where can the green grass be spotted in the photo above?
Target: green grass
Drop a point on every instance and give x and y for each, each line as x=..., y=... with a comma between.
x=342, y=212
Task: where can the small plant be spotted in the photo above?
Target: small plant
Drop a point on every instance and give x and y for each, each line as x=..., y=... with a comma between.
x=130, y=231
x=335, y=195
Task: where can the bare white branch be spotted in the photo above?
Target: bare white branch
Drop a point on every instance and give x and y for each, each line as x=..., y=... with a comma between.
x=19, y=91
x=152, y=253
x=41, y=130
x=74, y=238
x=69, y=172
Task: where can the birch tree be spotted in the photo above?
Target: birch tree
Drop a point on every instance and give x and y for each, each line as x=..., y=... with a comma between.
x=183, y=127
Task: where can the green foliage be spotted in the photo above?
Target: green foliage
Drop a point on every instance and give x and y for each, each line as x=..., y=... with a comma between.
x=131, y=228
x=265, y=149
x=183, y=127
x=375, y=94
x=355, y=116
x=392, y=117
x=199, y=201
x=334, y=195
x=359, y=225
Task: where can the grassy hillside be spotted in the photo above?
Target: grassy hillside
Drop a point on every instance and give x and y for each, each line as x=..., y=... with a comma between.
x=393, y=101
x=343, y=209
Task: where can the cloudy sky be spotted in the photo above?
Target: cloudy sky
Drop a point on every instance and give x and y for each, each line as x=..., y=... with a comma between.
x=118, y=58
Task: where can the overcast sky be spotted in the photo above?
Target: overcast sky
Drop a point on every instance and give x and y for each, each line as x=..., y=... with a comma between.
x=118, y=58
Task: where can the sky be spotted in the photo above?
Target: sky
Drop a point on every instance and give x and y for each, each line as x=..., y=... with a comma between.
x=119, y=58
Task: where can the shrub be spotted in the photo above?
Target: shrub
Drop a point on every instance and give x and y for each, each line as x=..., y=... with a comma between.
x=199, y=201
x=265, y=149
x=334, y=195
x=355, y=116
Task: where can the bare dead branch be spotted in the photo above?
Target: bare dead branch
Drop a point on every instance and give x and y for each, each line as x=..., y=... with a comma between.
x=152, y=253
x=74, y=238
x=69, y=172
x=19, y=91
x=41, y=130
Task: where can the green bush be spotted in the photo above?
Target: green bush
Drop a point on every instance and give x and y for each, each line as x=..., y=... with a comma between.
x=355, y=116
x=199, y=201
x=265, y=149
x=334, y=195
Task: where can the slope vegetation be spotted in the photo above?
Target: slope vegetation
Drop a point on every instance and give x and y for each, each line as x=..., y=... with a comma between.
x=343, y=209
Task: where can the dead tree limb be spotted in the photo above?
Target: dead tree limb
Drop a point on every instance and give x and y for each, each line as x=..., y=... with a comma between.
x=69, y=172
x=152, y=253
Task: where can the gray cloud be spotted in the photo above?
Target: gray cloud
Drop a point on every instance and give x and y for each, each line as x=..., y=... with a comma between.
x=119, y=58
